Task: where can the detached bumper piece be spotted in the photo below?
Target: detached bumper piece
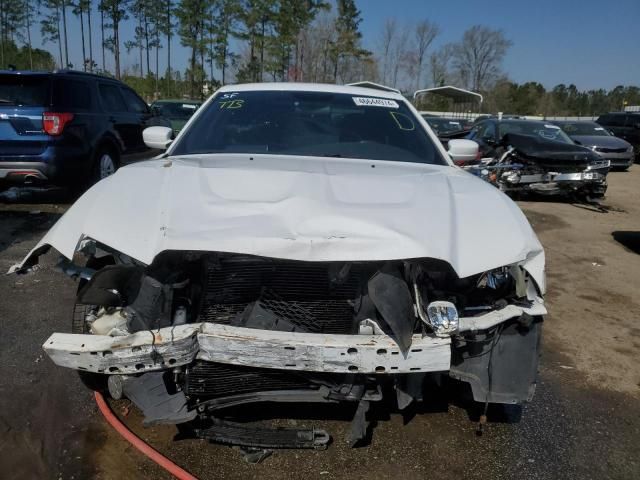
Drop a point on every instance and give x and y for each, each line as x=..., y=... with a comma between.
x=231, y=433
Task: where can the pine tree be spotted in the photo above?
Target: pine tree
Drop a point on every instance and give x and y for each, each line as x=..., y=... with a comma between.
x=115, y=11
x=347, y=44
x=191, y=15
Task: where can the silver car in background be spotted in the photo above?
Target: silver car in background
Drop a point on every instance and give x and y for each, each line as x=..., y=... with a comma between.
x=598, y=138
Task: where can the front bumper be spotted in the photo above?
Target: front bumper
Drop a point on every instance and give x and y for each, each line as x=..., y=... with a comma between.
x=512, y=178
x=181, y=345
x=619, y=160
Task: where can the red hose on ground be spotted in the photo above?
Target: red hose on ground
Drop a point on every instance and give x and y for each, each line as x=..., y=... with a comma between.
x=140, y=444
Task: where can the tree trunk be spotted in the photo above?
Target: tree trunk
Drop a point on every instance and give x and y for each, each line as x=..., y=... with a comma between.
x=104, y=64
x=84, y=54
x=259, y=79
x=224, y=59
x=301, y=77
x=29, y=37
x=116, y=47
x=193, y=69
x=169, y=48
x=64, y=26
x=1, y=35
x=141, y=48
x=146, y=39
x=59, y=36
x=90, y=40
x=155, y=93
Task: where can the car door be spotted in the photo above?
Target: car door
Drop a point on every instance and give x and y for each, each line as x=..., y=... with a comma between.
x=118, y=117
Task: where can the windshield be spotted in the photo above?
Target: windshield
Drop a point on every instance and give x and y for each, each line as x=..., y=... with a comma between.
x=20, y=90
x=444, y=125
x=541, y=129
x=310, y=124
x=584, y=128
x=176, y=109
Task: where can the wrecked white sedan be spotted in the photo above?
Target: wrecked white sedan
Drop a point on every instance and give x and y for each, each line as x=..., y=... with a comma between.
x=298, y=243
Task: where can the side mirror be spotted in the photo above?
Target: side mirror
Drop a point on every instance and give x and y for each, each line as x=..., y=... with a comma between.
x=158, y=138
x=463, y=151
x=155, y=110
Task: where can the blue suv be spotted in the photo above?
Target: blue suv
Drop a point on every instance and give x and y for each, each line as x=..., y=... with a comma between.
x=69, y=128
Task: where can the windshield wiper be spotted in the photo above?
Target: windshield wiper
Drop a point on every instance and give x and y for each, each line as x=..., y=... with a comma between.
x=334, y=155
x=4, y=100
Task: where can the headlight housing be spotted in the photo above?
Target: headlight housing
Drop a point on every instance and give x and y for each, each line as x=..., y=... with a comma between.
x=443, y=318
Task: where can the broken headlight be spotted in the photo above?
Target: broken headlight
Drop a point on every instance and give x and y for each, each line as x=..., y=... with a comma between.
x=442, y=317
x=495, y=279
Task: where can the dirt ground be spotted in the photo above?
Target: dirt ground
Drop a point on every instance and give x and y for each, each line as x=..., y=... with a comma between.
x=584, y=421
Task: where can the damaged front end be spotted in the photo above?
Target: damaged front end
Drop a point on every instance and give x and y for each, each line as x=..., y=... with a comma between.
x=194, y=334
x=530, y=164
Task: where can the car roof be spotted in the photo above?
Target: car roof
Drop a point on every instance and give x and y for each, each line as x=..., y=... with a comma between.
x=517, y=120
x=177, y=100
x=447, y=119
x=61, y=73
x=310, y=87
x=560, y=122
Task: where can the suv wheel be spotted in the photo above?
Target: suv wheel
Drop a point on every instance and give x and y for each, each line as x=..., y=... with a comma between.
x=105, y=164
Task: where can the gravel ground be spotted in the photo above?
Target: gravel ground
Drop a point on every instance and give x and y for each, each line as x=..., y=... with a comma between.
x=584, y=421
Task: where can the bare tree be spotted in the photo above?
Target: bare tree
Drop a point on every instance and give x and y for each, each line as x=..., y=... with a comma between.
x=399, y=55
x=425, y=34
x=478, y=57
x=439, y=65
x=386, y=43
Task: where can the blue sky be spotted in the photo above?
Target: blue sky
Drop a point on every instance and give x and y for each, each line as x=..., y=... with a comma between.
x=593, y=44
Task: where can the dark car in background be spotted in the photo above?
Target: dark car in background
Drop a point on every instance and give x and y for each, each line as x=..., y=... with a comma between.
x=178, y=112
x=534, y=156
x=598, y=139
x=444, y=126
x=69, y=128
x=625, y=125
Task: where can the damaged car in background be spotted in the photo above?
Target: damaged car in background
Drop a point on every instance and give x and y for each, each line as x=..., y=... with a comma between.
x=521, y=156
x=297, y=243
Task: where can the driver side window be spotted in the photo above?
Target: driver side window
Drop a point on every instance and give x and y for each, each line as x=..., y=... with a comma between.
x=489, y=131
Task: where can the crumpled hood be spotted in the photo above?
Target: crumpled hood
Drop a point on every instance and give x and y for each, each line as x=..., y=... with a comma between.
x=301, y=208
x=548, y=151
x=600, y=141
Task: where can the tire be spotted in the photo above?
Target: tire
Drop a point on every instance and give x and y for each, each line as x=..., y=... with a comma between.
x=93, y=381
x=105, y=163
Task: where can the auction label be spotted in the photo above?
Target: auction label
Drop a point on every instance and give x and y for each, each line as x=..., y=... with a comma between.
x=375, y=102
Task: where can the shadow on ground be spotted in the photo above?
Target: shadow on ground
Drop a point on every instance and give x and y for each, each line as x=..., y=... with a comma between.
x=22, y=223
x=630, y=240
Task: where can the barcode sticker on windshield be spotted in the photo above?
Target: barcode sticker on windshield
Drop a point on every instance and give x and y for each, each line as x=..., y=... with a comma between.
x=552, y=126
x=599, y=128
x=375, y=102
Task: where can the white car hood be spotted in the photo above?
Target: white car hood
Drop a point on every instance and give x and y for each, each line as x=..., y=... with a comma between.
x=301, y=208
